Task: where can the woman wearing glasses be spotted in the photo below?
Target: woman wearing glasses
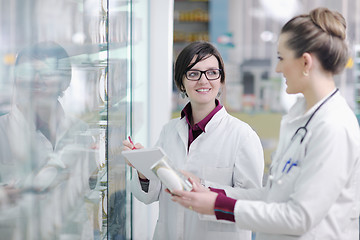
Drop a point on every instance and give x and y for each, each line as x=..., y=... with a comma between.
x=205, y=141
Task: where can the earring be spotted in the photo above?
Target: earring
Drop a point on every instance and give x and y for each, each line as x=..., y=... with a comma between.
x=306, y=74
x=183, y=95
x=219, y=93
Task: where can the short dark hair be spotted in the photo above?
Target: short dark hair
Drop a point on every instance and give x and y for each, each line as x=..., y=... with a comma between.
x=322, y=32
x=47, y=50
x=201, y=50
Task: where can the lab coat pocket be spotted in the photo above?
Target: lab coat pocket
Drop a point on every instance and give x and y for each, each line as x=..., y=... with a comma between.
x=220, y=175
x=283, y=186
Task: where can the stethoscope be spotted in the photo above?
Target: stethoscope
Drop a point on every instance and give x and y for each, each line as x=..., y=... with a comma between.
x=298, y=137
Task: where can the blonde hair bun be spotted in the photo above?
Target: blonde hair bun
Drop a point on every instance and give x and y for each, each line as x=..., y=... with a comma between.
x=331, y=22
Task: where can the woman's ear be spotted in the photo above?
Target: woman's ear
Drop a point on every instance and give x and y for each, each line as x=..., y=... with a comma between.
x=307, y=61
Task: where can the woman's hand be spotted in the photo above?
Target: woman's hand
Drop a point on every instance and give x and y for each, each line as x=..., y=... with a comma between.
x=200, y=199
x=129, y=146
x=12, y=193
x=192, y=177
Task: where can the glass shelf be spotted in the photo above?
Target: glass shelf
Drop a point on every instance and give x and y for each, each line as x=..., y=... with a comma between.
x=64, y=110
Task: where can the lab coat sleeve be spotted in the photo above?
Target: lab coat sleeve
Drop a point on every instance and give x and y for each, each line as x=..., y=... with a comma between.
x=255, y=194
x=146, y=197
x=330, y=162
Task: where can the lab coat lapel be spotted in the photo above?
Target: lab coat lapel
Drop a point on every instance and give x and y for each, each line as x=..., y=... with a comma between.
x=215, y=120
x=183, y=131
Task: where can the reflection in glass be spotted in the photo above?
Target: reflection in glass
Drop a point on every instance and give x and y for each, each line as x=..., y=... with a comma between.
x=47, y=156
x=64, y=106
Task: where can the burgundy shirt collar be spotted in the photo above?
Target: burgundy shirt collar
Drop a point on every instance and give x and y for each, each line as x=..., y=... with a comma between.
x=186, y=112
x=197, y=129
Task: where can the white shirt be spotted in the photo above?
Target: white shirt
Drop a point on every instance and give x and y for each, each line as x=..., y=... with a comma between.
x=318, y=198
x=229, y=154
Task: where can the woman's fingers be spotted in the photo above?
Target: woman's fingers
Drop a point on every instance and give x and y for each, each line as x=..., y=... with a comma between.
x=197, y=187
x=181, y=197
x=138, y=146
x=189, y=175
x=127, y=145
x=201, y=202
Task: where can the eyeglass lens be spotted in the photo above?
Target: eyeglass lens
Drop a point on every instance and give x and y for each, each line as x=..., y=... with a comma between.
x=195, y=75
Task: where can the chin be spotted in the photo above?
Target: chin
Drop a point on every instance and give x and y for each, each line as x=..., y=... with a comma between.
x=290, y=91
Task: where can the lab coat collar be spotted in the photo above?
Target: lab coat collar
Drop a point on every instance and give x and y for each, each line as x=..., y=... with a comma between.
x=187, y=113
x=182, y=125
x=216, y=119
x=297, y=111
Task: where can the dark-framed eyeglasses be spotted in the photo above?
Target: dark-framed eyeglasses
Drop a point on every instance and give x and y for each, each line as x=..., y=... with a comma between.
x=195, y=75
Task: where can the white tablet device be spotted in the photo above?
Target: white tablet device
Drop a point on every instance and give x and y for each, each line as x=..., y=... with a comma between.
x=142, y=159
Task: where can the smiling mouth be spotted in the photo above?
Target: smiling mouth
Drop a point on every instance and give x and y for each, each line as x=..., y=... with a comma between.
x=203, y=90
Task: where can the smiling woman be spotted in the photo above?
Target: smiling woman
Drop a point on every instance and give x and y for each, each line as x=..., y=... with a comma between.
x=200, y=75
x=201, y=90
x=207, y=144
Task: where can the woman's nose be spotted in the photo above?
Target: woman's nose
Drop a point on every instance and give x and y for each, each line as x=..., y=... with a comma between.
x=203, y=78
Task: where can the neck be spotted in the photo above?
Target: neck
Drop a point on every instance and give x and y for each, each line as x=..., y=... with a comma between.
x=49, y=123
x=47, y=114
x=199, y=112
x=318, y=92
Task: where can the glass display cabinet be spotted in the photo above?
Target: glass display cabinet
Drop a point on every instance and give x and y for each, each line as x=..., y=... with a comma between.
x=65, y=108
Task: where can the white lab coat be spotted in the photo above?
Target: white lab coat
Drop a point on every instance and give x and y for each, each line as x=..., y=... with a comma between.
x=228, y=154
x=319, y=198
